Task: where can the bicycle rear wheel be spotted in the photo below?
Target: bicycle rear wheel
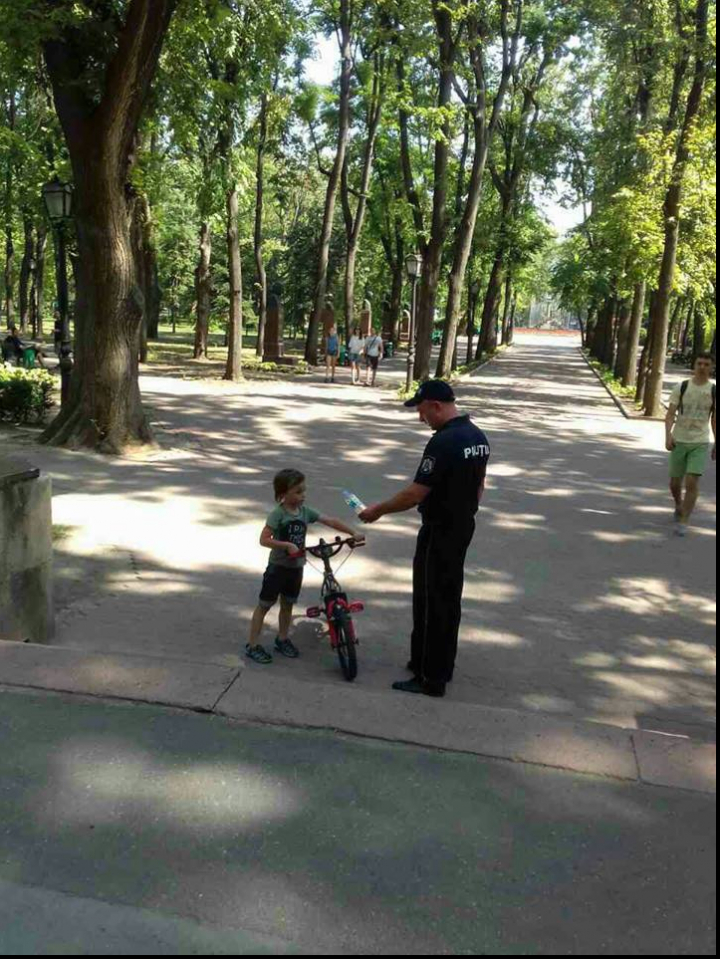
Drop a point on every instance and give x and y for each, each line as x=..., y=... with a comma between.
x=347, y=648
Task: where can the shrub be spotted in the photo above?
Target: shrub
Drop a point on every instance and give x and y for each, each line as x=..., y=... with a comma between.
x=25, y=395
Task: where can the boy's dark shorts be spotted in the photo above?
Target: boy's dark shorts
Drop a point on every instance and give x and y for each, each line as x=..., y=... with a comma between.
x=373, y=362
x=281, y=581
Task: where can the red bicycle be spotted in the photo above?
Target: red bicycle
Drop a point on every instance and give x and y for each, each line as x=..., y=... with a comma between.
x=335, y=606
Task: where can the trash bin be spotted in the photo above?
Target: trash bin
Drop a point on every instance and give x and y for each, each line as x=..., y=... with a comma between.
x=26, y=552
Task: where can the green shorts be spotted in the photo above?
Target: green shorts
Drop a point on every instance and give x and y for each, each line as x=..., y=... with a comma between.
x=689, y=458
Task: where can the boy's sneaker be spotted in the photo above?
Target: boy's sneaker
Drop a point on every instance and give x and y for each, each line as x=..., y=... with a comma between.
x=286, y=647
x=258, y=654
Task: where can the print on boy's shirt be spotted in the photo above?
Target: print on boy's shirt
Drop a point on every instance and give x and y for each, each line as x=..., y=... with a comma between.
x=295, y=532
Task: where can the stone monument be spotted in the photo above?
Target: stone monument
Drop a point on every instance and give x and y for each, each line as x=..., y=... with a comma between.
x=26, y=552
x=366, y=319
x=274, y=338
x=275, y=331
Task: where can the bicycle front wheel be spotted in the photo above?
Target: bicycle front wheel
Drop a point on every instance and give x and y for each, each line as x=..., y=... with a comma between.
x=347, y=648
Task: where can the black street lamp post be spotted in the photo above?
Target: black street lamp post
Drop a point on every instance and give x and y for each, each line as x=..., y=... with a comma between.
x=58, y=203
x=414, y=266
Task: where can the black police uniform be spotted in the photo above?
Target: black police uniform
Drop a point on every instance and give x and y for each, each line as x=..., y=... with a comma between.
x=454, y=466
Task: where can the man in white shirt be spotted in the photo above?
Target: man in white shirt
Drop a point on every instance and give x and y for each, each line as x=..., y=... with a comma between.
x=692, y=413
x=373, y=353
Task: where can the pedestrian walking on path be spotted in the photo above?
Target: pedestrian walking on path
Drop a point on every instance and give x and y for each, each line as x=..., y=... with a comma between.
x=448, y=488
x=691, y=415
x=356, y=348
x=332, y=351
x=374, y=351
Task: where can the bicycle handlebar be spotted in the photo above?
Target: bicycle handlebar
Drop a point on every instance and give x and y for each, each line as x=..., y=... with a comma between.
x=329, y=549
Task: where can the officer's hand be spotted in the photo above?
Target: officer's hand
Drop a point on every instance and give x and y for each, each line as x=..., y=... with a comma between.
x=371, y=515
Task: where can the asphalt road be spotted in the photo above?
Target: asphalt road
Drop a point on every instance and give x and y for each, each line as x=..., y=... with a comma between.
x=136, y=830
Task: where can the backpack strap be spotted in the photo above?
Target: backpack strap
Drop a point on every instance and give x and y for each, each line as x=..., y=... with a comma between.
x=683, y=390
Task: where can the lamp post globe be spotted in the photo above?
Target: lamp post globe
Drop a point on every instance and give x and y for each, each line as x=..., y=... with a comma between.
x=58, y=197
x=413, y=265
x=58, y=200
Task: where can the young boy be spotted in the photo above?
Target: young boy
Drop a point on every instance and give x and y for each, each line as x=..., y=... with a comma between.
x=284, y=534
x=691, y=416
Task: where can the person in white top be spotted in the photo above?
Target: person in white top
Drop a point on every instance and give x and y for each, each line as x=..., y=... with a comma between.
x=374, y=351
x=356, y=348
x=691, y=415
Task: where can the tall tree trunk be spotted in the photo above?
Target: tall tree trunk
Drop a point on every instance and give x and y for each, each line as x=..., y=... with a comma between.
x=513, y=314
x=233, y=370
x=260, y=273
x=105, y=410
x=398, y=284
x=590, y=325
x=622, y=353
x=608, y=353
x=9, y=270
x=484, y=130
x=685, y=326
x=38, y=285
x=672, y=212
x=321, y=286
x=506, y=309
x=26, y=266
x=147, y=271
x=203, y=292
x=9, y=210
x=136, y=239
x=151, y=281
x=432, y=260
x=675, y=331
x=698, y=333
x=597, y=332
x=492, y=298
x=644, y=366
x=354, y=223
x=630, y=361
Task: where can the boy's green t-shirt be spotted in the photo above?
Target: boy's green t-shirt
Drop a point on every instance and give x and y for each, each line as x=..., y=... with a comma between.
x=290, y=528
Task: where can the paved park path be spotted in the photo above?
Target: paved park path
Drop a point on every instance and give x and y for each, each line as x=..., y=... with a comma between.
x=579, y=602
x=133, y=829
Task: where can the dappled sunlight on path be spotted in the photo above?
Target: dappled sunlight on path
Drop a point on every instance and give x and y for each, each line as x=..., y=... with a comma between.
x=578, y=599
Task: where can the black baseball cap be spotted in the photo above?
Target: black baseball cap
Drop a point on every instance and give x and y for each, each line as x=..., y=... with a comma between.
x=436, y=390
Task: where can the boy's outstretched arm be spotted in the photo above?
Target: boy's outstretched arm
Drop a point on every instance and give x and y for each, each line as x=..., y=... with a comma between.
x=341, y=527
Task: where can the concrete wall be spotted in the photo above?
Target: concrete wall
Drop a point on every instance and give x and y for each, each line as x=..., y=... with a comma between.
x=26, y=550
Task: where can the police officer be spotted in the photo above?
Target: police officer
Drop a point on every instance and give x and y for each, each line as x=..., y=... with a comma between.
x=447, y=490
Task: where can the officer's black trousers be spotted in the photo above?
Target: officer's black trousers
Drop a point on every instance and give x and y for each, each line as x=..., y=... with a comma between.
x=438, y=579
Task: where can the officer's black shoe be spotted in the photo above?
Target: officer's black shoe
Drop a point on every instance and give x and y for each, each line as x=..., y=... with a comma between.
x=416, y=672
x=437, y=690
